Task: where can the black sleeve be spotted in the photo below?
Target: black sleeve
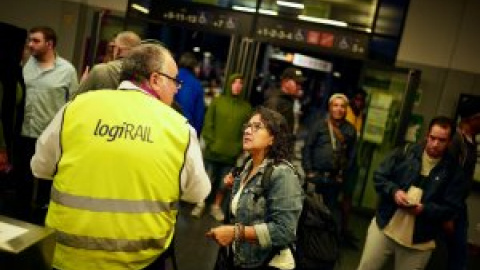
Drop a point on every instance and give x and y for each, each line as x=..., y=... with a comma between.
x=309, y=147
x=383, y=176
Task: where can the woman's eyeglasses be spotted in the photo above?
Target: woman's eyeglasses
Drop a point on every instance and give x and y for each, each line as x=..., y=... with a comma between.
x=178, y=83
x=254, y=126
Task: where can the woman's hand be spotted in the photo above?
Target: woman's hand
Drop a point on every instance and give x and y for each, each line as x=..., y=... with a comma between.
x=228, y=180
x=223, y=235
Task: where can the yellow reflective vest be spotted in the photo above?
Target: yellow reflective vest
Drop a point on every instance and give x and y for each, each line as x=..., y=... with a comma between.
x=117, y=186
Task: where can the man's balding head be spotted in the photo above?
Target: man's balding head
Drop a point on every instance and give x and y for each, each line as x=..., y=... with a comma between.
x=152, y=66
x=124, y=42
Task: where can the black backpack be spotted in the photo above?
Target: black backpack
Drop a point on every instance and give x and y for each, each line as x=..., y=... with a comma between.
x=318, y=239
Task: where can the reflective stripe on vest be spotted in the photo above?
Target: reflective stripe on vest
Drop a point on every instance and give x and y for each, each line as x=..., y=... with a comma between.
x=111, y=205
x=108, y=244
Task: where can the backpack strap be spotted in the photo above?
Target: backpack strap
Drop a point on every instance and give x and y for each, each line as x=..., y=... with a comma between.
x=267, y=174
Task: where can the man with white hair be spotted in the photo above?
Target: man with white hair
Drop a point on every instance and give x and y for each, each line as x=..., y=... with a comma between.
x=107, y=75
x=120, y=161
x=328, y=149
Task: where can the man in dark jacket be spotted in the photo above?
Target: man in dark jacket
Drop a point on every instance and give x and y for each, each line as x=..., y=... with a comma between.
x=464, y=149
x=282, y=100
x=419, y=187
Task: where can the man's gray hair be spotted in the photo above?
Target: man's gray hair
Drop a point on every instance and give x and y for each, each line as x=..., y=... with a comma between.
x=127, y=40
x=143, y=60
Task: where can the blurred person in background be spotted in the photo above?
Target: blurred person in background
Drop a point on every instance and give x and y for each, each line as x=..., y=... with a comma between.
x=222, y=133
x=107, y=75
x=282, y=100
x=464, y=149
x=191, y=96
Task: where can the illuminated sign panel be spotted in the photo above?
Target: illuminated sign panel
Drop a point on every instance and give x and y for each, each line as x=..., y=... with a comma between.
x=202, y=17
x=313, y=36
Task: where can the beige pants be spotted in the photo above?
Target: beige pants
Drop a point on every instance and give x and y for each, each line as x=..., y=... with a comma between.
x=378, y=248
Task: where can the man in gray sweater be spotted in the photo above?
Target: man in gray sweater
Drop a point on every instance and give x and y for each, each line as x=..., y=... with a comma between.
x=107, y=75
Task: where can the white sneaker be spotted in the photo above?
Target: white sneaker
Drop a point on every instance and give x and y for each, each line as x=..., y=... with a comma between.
x=198, y=210
x=217, y=213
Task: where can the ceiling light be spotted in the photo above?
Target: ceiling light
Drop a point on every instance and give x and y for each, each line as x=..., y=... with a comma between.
x=290, y=4
x=140, y=8
x=245, y=9
x=321, y=20
x=252, y=10
x=268, y=12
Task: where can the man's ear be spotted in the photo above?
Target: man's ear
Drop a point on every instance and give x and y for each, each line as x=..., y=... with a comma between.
x=50, y=44
x=153, y=80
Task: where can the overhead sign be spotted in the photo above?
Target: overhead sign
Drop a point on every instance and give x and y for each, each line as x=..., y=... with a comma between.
x=311, y=62
x=202, y=17
x=313, y=36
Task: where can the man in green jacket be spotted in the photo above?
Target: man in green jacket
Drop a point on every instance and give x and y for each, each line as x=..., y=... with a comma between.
x=222, y=133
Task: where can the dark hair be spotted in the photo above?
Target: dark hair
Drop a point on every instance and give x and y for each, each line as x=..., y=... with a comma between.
x=275, y=123
x=188, y=61
x=444, y=122
x=361, y=92
x=48, y=34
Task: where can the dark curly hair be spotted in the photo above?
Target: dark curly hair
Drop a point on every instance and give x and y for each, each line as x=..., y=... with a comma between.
x=275, y=123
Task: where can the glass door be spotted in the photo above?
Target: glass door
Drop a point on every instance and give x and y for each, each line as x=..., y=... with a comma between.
x=391, y=93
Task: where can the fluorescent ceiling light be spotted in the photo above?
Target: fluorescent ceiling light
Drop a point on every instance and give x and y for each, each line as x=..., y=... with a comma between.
x=290, y=4
x=268, y=12
x=140, y=8
x=245, y=9
x=321, y=20
x=252, y=10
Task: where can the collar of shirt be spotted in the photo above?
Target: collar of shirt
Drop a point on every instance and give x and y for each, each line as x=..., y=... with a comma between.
x=56, y=62
x=128, y=85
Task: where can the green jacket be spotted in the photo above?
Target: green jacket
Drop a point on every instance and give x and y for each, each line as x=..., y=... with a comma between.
x=223, y=126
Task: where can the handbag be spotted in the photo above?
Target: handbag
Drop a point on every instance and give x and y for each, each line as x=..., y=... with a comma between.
x=224, y=259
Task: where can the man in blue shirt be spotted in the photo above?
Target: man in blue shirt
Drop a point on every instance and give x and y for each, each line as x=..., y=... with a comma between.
x=50, y=81
x=191, y=96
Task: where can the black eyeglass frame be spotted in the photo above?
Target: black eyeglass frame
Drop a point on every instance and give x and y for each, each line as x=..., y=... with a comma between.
x=254, y=126
x=178, y=83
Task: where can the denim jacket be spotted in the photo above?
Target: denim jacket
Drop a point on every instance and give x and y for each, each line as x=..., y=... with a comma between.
x=273, y=213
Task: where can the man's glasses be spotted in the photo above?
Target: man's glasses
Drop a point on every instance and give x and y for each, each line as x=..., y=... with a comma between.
x=178, y=83
x=254, y=126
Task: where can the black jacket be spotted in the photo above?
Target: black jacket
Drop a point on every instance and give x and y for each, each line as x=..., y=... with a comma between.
x=443, y=191
x=283, y=104
x=318, y=151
